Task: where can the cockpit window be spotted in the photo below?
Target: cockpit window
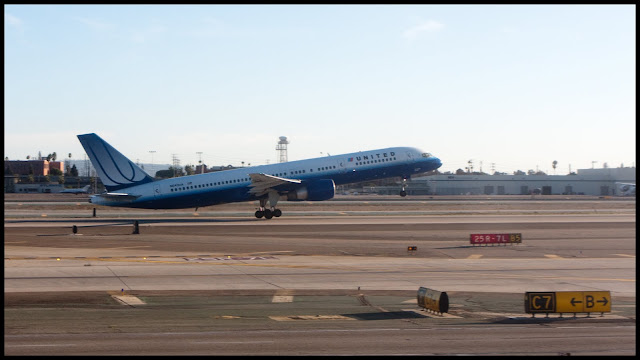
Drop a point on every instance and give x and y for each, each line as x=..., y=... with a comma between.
x=426, y=155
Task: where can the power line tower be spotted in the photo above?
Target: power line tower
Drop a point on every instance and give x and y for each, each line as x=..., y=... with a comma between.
x=282, y=149
x=200, y=161
x=87, y=166
x=176, y=165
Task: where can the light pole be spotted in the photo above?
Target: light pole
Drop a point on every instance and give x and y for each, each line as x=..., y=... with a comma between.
x=152, y=152
x=69, y=165
x=200, y=162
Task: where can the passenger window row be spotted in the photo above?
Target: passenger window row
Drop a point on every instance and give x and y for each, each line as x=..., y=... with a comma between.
x=294, y=172
x=326, y=168
x=199, y=186
x=375, y=161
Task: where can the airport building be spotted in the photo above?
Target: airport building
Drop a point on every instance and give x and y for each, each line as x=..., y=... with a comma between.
x=37, y=188
x=21, y=184
x=32, y=167
x=594, y=182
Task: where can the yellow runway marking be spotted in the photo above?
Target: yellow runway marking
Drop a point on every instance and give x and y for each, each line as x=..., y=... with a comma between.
x=310, y=317
x=474, y=256
x=554, y=256
x=626, y=255
x=129, y=247
x=267, y=252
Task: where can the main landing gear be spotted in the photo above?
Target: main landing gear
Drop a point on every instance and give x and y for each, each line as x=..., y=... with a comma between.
x=269, y=213
x=403, y=192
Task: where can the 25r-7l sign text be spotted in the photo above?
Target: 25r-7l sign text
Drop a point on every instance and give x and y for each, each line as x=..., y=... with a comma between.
x=495, y=238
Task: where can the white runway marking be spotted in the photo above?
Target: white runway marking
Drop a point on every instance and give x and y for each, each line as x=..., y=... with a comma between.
x=128, y=299
x=282, y=299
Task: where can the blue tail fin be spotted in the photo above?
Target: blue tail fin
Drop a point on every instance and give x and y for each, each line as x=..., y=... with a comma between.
x=114, y=169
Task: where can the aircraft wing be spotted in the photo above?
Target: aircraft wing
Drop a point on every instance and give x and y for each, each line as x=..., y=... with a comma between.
x=262, y=183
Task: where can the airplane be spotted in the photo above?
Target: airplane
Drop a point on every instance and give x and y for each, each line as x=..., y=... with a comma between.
x=127, y=185
x=626, y=189
x=84, y=190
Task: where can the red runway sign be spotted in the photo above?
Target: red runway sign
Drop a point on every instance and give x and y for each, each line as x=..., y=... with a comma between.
x=495, y=238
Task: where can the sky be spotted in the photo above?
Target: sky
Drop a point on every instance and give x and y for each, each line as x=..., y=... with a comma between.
x=500, y=87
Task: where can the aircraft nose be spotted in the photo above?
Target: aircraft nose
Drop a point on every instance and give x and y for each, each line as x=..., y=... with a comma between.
x=437, y=162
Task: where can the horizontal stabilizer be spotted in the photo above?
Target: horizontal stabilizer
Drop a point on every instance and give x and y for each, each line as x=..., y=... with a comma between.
x=118, y=197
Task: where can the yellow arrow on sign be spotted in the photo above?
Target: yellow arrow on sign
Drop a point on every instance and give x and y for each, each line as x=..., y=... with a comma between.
x=583, y=301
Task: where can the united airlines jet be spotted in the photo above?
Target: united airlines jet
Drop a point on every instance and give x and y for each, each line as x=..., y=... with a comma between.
x=128, y=185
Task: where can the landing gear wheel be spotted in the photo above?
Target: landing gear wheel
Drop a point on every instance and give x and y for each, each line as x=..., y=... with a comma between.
x=269, y=213
x=403, y=192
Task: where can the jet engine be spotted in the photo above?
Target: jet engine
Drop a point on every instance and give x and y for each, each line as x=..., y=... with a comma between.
x=318, y=190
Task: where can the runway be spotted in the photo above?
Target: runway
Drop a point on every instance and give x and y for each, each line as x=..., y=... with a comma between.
x=319, y=283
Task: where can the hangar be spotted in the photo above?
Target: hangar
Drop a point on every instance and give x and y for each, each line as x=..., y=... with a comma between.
x=594, y=182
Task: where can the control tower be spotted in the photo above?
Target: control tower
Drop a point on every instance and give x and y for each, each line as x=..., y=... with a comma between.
x=282, y=149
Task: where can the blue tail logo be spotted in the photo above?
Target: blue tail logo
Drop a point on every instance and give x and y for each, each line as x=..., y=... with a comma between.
x=114, y=169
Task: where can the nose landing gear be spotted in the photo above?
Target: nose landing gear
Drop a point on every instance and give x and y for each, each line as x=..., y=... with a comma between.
x=403, y=192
